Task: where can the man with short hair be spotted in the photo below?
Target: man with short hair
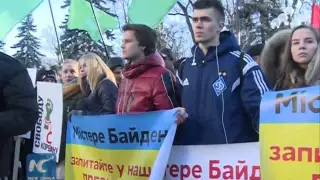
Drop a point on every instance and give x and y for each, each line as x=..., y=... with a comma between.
x=220, y=87
x=146, y=84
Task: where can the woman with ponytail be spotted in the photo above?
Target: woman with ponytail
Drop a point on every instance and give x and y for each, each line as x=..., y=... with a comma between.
x=101, y=81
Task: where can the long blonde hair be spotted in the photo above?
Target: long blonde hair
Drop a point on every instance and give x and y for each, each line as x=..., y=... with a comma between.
x=96, y=67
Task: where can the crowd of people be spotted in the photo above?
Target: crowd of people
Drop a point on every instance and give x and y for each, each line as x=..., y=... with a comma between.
x=217, y=91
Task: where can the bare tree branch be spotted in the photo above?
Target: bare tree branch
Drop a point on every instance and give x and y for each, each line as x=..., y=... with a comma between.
x=189, y=3
x=186, y=15
x=180, y=14
x=294, y=6
x=172, y=38
x=125, y=5
x=305, y=2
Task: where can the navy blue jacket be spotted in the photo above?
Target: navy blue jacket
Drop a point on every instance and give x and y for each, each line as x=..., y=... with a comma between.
x=221, y=93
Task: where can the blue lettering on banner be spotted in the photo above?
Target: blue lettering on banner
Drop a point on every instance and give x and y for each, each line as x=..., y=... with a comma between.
x=41, y=166
x=130, y=131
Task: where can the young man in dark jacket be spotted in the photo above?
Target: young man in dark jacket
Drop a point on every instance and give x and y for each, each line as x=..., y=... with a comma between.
x=18, y=107
x=146, y=85
x=220, y=87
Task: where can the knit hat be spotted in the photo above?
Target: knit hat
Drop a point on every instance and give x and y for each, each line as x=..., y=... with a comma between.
x=45, y=75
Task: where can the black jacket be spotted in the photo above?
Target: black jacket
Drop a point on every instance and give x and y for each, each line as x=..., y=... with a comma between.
x=103, y=99
x=18, y=107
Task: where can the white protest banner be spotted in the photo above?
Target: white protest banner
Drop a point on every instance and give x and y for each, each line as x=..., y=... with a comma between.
x=47, y=135
x=33, y=74
x=232, y=161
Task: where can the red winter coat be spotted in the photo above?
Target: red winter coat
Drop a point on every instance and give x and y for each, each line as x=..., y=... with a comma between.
x=147, y=86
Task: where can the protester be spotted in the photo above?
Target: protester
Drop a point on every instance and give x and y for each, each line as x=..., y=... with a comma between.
x=299, y=66
x=18, y=108
x=58, y=71
x=220, y=87
x=168, y=58
x=146, y=85
x=72, y=100
x=70, y=71
x=103, y=96
x=116, y=65
x=46, y=76
x=255, y=52
x=43, y=75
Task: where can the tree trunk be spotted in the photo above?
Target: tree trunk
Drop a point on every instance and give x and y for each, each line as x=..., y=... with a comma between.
x=186, y=16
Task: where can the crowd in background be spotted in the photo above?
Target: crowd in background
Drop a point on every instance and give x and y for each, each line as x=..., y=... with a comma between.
x=218, y=90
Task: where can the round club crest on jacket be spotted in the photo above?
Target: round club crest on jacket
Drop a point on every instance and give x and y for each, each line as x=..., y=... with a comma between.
x=221, y=91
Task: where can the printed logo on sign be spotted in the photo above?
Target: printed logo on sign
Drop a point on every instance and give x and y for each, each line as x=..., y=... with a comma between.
x=46, y=144
x=47, y=124
x=219, y=86
x=41, y=167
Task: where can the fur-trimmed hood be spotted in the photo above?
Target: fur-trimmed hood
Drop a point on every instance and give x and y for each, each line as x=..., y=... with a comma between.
x=272, y=54
x=71, y=89
x=312, y=75
x=272, y=57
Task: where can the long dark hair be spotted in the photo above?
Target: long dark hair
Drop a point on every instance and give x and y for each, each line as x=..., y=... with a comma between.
x=291, y=75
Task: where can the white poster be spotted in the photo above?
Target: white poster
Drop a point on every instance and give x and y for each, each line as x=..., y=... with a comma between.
x=33, y=74
x=47, y=134
x=233, y=161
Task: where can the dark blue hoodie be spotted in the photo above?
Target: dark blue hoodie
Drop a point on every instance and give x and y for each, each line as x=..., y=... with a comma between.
x=221, y=93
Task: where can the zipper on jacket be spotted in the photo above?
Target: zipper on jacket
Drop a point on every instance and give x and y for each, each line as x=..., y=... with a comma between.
x=119, y=103
x=199, y=80
x=124, y=98
x=131, y=98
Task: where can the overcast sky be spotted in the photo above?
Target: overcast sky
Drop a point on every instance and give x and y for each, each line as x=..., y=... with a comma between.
x=42, y=18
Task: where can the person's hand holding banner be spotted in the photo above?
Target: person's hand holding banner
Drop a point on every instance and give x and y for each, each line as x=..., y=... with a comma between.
x=182, y=115
x=128, y=146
